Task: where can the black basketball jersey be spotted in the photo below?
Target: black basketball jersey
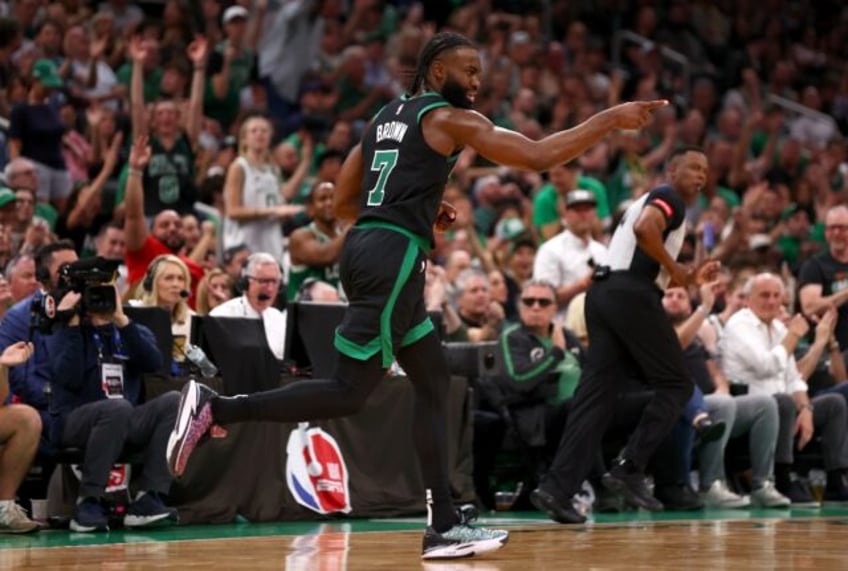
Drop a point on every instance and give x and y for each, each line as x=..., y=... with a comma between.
x=403, y=178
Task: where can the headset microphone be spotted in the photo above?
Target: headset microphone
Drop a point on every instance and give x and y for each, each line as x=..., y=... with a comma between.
x=185, y=293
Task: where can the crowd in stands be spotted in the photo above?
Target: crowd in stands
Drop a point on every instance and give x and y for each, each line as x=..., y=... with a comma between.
x=196, y=142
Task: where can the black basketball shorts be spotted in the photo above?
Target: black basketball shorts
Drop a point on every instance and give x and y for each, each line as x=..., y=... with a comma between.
x=382, y=270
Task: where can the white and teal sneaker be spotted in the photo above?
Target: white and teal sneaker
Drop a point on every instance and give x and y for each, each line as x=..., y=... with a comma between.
x=461, y=540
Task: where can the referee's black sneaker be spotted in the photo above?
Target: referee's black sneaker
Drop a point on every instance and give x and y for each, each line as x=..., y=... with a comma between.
x=626, y=479
x=678, y=497
x=558, y=510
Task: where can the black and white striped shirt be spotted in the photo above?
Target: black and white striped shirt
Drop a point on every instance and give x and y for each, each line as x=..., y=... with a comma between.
x=624, y=253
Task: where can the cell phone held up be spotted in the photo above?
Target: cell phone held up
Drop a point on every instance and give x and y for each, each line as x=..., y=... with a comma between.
x=709, y=237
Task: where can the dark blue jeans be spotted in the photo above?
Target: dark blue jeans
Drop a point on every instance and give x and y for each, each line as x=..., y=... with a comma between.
x=695, y=405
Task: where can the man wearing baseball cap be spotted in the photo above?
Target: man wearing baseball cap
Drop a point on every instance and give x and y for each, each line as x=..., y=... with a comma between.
x=45, y=71
x=232, y=66
x=567, y=260
x=35, y=133
x=8, y=200
x=563, y=179
x=235, y=12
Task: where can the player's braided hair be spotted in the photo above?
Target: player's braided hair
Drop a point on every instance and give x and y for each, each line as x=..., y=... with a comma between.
x=439, y=43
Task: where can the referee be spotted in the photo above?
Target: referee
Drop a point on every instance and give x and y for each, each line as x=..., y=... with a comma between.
x=631, y=335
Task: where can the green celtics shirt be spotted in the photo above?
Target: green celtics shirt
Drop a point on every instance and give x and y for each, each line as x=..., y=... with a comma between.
x=299, y=273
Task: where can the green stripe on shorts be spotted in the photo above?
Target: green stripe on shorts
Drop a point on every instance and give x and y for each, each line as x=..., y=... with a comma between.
x=418, y=332
x=406, y=268
x=354, y=350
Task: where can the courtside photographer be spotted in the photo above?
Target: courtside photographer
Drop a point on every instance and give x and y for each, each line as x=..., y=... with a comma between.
x=97, y=359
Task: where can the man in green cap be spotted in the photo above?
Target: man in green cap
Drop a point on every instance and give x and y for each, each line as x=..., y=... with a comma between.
x=35, y=132
x=45, y=71
x=7, y=206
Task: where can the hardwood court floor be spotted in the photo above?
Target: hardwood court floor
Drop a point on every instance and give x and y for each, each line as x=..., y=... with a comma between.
x=745, y=540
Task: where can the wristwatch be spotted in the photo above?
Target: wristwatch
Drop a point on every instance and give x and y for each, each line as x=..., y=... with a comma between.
x=808, y=406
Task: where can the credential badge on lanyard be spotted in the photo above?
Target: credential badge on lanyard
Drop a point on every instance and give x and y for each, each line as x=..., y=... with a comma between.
x=111, y=373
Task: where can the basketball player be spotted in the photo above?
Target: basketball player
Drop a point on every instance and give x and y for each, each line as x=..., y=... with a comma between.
x=392, y=184
x=630, y=332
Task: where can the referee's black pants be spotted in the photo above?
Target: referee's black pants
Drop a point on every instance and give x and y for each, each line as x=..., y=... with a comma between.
x=629, y=336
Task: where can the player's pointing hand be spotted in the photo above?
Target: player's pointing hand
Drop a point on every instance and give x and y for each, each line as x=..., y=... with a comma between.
x=636, y=114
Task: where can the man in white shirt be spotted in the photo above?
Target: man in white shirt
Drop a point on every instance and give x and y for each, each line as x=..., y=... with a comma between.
x=567, y=260
x=263, y=277
x=757, y=350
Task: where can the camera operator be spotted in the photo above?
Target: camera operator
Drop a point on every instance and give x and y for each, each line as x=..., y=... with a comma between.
x=97, y=361
x=29, y=383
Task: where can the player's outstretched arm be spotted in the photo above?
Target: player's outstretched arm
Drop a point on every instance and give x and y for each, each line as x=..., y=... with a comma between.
x=513, y=149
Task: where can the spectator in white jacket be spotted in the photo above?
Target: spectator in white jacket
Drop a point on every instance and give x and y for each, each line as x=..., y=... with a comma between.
x=757, y=350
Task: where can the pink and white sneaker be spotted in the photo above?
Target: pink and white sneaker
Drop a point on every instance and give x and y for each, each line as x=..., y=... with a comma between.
x=194, y=420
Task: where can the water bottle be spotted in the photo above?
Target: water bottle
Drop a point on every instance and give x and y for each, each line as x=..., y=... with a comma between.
x=196, y=355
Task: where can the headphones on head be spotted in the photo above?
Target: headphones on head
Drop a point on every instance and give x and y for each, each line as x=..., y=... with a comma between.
x=42, y=272
x=44, y=254
x=147, y=282
x=243, y=280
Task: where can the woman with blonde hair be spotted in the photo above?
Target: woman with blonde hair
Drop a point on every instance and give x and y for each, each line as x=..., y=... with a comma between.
x=215, y=288
x=166, y=284
x=255, y=199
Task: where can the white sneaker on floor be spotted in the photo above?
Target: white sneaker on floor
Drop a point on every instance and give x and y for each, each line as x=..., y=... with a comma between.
x=767, y=496
x=461, y=540
x=13, y=519
x=720, y=497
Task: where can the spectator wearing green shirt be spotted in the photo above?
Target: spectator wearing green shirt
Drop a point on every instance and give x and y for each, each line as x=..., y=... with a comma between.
x=564, y=179
x=329, y=166
x=358, y=101
x=151, y=71
x=338, y=137
x=168, y=178
x=796, y=241
x=232, y=65
x=315, y=249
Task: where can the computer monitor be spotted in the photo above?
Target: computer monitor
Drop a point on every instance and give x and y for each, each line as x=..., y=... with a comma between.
x=196, y=334
x=239, y=348
x=159, y=322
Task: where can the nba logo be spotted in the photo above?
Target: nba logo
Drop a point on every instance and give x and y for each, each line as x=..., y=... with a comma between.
x=316, y=471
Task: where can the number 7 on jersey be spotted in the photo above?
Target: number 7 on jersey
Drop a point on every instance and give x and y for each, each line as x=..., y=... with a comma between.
x=384, y=162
